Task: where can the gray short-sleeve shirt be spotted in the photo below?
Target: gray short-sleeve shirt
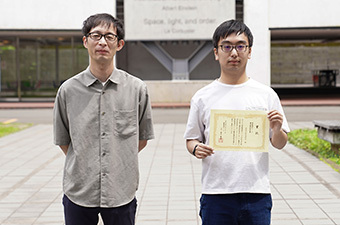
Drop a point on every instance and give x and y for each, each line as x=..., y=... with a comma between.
x=102, y=126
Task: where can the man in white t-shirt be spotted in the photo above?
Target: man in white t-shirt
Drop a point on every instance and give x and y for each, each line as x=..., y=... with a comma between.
x=235, y=184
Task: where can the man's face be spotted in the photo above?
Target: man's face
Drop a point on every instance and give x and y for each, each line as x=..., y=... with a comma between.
x=237, y=58
x=103, y=49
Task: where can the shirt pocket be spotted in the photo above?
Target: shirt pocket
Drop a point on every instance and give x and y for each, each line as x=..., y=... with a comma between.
x=125, y=123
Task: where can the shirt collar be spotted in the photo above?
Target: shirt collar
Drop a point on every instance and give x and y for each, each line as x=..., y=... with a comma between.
x=90, y=79
x=115, y=76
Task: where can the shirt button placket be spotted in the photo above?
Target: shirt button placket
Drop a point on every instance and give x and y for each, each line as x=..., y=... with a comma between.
x=103, y=136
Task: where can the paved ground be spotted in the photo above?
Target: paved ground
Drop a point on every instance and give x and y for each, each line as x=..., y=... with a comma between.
x=305, y=190
x=176, y=115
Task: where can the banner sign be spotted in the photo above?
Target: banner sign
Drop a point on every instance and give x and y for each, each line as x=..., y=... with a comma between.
x=175, y=19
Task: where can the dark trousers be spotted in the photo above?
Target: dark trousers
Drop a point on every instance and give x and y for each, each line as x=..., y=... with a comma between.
x=79, y=215
x=236, y=209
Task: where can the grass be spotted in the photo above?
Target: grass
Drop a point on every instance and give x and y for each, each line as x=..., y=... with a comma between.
x=307, y=139
x=6, y=129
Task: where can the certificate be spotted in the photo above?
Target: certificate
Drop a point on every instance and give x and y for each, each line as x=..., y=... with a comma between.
x=239, y=130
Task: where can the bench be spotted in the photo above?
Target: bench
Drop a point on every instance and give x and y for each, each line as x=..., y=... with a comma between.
x=329, y=130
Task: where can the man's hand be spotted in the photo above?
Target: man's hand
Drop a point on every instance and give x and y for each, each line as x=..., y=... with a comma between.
x=202, y=151
x=275, y=120
x=279, y=137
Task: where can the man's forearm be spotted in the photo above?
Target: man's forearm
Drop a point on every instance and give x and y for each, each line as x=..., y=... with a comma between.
x=191, y=145
x=142, y=144
x=279, y=139
x=64, y=148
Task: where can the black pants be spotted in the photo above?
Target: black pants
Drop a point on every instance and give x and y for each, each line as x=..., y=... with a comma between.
x=76, y=215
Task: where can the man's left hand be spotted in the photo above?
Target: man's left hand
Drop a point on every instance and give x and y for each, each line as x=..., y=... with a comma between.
x=275, y=120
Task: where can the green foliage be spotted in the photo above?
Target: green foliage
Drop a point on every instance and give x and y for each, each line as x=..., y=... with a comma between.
x=6, y=129
x=307, y=139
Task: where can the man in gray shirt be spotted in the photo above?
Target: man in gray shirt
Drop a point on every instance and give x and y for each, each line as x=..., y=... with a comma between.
x=102, y=119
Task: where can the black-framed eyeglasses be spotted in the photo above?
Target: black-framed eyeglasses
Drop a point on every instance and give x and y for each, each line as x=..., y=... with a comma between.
x=229, y=48
x=97, y=36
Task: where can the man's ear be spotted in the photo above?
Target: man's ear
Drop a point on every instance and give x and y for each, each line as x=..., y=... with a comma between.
x=120, y=44
x=216, y=54
x=85, y=41
x=249, y=53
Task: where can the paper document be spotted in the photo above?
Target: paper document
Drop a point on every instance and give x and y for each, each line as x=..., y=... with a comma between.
x=239, y=130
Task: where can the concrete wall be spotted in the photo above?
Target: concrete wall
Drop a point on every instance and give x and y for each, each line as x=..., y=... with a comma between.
x=304, y=13
x=135, y=59
x=293, y=64
x=63, y=14
x=50, y=14
x=256, y=16
x=174, y=91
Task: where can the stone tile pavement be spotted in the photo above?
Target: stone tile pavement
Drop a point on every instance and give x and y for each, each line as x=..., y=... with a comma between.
x=305, y=190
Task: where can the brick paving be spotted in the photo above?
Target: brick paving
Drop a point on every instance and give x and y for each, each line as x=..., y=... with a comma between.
x=305, y=190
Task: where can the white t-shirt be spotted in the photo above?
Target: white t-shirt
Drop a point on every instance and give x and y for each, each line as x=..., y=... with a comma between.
x=228, y=172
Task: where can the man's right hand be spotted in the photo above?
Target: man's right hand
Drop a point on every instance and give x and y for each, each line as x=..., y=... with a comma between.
x=202, y=151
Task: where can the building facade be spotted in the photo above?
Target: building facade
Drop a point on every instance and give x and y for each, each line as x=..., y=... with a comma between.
x=41, y=42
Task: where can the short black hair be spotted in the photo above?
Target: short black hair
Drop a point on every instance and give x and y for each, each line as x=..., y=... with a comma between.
x=105, y=19
x=229, y=27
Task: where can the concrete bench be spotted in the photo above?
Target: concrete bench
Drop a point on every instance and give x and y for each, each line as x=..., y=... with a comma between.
x=329, y=130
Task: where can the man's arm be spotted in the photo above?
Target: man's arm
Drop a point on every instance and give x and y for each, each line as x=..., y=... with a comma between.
x=202, y=150
x=142, y=144
x=145, y=119
x=64, y=148
x=279, y=137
